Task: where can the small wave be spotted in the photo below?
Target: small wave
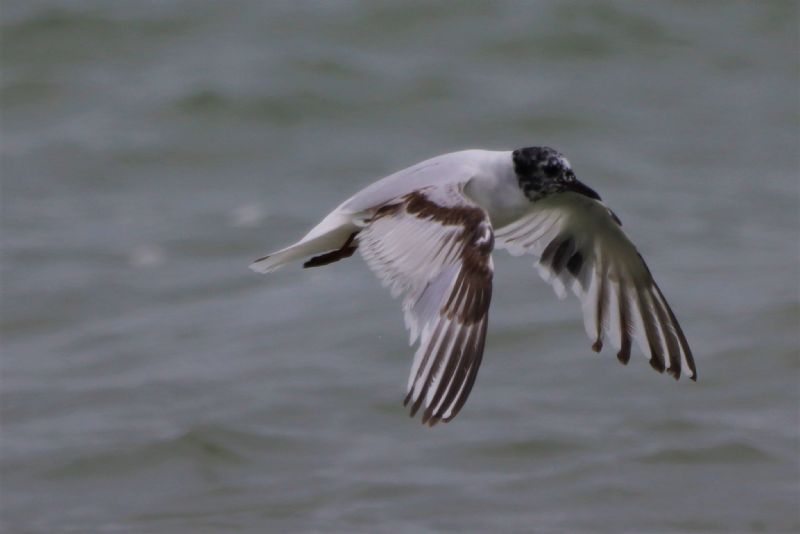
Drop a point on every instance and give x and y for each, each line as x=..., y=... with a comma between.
x=247, y=216
x=287, y=109
x=723, y=453
x=525, y=448
x=147, y=256
x=670, y=426
x=206, y=444
x=49, y=21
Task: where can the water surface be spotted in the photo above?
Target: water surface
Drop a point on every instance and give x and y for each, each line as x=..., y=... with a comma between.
x=151, y=383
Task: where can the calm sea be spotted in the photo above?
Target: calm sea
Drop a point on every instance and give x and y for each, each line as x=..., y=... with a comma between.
x=152, y=383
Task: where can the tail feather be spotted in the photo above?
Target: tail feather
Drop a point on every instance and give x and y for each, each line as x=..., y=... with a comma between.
x=336, y=240
x=339, y=254
x=278, y=259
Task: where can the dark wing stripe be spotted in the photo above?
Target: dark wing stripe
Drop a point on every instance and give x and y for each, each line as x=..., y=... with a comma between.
x=468, y=363
x=423, y=364
x=549, y=251
x=562, y=254
x=687, y=352
x=472, y=373
x=574, y=265
x=455, y=292
x=460, y=373
x=449, y=374
x=626, y=328
x=460, y=378
x=602, y=305
x=465, y=375
x=670, y=338
x=433, y=412
x=462, y=304
x=650, y=330
x=584, y=277
x=473, y=297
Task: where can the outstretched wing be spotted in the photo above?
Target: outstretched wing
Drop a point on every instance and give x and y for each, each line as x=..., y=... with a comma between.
x=581, y=246
x=434, y=247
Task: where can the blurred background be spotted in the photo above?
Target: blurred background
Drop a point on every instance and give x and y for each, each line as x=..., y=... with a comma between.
x=152, y=383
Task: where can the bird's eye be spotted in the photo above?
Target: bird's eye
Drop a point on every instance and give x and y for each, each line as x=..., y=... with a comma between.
x=551, y=169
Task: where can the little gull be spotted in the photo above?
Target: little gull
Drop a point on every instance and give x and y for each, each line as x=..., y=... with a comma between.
x=428, y=232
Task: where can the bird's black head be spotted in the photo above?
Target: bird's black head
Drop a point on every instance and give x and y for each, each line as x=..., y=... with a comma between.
x=542, y=170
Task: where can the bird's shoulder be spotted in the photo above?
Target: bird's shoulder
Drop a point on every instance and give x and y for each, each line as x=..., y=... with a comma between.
x=440, y=171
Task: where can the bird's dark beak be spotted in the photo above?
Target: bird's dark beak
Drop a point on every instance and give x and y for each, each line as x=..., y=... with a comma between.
x=582, y=189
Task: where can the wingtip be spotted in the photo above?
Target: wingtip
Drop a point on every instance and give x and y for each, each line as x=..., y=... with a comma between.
x=428, y=419
x=433, y=421
x=416, y=406
x=657, y=364
x=674, y=373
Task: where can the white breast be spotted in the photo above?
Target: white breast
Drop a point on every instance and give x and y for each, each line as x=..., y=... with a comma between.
x=495, y=188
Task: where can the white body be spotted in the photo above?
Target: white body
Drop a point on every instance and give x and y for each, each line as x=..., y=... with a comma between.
x=488, y=178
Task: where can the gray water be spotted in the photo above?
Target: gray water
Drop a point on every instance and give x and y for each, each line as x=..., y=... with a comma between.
x=152, y=383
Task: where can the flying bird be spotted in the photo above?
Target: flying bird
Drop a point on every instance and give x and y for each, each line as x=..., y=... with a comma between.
x=428, y=232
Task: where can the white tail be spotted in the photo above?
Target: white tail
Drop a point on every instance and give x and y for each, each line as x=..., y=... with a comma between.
x=334, y=232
